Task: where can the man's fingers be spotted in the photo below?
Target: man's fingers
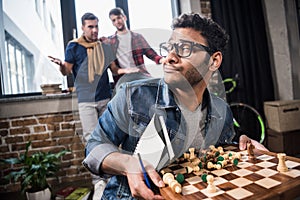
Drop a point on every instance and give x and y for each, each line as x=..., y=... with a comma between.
x=243, y=142
x=156, y=179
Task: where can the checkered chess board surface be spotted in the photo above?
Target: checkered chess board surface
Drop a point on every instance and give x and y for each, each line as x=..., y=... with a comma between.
x=250, y=179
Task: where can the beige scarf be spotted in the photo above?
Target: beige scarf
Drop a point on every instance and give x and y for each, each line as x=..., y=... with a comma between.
x=95, y=56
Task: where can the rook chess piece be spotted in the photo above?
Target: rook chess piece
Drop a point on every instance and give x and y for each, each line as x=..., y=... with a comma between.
x=281, y=167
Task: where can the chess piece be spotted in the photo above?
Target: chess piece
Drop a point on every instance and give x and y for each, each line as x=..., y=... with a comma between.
x=196, y=161
x=221, y=150
x=239, y=156
x=213, y=148
x=196, y=168
x=186, y=156
x=189, y=169
x=179, y=177
x=168, y=179
x=192, y=153
x=281, y=167
x=250, y=152
x=211, y=188
x=210, y=165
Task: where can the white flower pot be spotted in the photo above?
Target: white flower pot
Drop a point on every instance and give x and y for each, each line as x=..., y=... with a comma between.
x=41, y=195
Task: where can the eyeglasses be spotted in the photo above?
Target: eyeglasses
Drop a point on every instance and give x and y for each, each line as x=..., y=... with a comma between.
x=183, y=48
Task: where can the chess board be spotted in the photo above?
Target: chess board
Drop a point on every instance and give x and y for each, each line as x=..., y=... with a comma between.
x=251, y=179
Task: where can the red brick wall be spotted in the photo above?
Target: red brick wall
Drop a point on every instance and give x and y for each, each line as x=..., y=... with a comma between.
x=49, y=132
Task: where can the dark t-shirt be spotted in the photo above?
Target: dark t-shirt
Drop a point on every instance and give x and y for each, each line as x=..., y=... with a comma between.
x=99, y=89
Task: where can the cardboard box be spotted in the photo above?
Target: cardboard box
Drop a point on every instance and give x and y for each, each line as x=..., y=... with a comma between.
x=283, y=115
x=283, y=142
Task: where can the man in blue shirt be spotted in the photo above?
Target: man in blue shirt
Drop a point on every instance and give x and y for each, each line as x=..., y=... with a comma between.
x=88, y=60
x=193, y=117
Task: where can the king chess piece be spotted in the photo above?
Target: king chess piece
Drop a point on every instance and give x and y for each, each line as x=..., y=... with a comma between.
x=281, y=167
x=250, y=151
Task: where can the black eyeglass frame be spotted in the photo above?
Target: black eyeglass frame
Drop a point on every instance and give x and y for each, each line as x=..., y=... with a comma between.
x=192, y=45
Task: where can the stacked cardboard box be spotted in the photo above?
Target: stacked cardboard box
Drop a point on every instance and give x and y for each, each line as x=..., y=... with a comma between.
x=283, y=122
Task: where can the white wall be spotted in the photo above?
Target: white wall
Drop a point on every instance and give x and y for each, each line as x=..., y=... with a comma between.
x=280, y=48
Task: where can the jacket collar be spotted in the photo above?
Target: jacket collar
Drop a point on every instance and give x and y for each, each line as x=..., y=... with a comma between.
x=165, y=99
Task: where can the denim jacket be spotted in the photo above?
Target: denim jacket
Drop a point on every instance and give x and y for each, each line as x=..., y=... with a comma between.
x=129, y=113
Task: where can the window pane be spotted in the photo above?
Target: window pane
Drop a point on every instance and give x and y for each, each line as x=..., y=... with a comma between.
x=150, y=14
x=100, y=8
x=27, y=64
x=18, y=68
x=153, y=20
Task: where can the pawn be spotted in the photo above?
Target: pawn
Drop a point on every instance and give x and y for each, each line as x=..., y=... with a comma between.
x=211, y=188
x=221, y=150
x=210, y=165
x=281, y=167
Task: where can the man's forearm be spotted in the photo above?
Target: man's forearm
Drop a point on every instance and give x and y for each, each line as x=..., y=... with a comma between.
x=119, y=164
x=62, y=69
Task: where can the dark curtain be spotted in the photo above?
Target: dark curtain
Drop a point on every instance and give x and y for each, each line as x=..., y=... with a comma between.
x=247, y=54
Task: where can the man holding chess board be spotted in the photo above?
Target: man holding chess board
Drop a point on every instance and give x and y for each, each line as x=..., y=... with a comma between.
x=177, y=112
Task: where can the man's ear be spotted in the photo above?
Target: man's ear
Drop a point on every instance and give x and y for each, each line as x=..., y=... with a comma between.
x=216, y=61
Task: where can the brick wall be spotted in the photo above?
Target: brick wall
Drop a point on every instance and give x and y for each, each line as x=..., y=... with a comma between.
x=48, y=132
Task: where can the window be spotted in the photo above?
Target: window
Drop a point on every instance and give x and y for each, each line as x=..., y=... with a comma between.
x=153, y=20
x=38, y=7
x=101, y=9
x=24, y=50
x=150, y=18
x=20, y=68
x=150, y=14
x=45, y=15
x=53, y=30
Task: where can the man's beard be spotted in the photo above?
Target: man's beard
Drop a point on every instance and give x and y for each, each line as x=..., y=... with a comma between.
x=122, y=28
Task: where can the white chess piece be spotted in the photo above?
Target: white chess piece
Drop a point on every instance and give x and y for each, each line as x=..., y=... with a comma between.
x=211, y=188
x=192, y=153
x=168, y=178
x=281, y=162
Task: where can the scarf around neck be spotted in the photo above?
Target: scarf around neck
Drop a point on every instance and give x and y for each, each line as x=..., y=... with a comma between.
x=95, y=56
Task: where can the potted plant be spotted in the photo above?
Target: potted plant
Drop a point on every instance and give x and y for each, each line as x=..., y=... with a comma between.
x=35, y=170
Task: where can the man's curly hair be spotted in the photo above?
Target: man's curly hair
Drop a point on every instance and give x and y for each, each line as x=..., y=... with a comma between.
x=215, y=35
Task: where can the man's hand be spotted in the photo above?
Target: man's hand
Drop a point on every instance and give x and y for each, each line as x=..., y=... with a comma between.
x=244, y=140
x=130, y=70
x=138, y=186
x=137, y=183
x=64, y=67
x=162, y=60
x=129, y=166
x=55, y=60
